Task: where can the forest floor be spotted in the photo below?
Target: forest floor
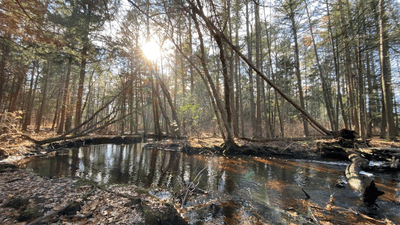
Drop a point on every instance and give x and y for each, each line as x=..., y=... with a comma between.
x=26, y=198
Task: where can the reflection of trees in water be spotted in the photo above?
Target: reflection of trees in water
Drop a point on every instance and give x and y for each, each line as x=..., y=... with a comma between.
x=170, y=159
x=75, y=162
x=151, y=168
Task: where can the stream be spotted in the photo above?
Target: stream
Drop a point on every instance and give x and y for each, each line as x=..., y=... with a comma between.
x=236, y=189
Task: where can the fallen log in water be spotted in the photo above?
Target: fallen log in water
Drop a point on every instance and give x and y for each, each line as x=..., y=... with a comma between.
x=361, y=181
x=286, y=139
x=356, y=180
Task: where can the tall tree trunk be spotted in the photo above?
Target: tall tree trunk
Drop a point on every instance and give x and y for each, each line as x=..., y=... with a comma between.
x=297, y=67
x=213, y=93
x=371, y=103
x=213, y=29
x=79, y=99
x=349, y=76
x=57, y=111
x=251, y=89
x=231, y=73
x=175, y=128
x=123, y=106
x=239, y=109
x=16, y=88
x=156, y=114
x=339, y=101
x=40, y=113
x=61, y=126
x=386, y=70
x=325, y=86
x=361, y=100
x=229, y=138
x=258, y=64
x=5, y=48
x=31, y=95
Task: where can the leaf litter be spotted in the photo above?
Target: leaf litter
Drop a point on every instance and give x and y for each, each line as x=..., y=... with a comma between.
x=26, y=198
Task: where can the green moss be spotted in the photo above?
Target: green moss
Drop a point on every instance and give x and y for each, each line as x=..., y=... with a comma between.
x=18, y=203
x=29, y=214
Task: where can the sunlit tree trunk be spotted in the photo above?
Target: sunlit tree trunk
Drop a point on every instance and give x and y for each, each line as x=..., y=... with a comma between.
x=155, y=106
x=176, y=125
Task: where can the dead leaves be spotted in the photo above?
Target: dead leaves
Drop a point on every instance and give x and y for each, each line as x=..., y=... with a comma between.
x=52, y=195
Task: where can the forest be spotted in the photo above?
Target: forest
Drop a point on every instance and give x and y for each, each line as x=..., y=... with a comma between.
x=227, y=89
x=250, y=69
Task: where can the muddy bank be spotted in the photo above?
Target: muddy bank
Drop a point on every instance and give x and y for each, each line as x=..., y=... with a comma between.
x=26, y=198
x=94, y=141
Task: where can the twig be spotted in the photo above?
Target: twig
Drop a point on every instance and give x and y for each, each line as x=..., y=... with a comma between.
x=192, y=184
x=307, y=196
x=38, y=220
x=13, y=180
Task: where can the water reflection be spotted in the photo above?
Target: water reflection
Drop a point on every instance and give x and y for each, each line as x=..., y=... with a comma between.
x=238, y=188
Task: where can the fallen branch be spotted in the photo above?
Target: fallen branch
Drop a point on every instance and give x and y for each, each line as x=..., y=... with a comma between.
x=84, y=197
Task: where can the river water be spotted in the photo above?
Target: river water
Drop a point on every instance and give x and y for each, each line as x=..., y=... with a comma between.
x=237, y=190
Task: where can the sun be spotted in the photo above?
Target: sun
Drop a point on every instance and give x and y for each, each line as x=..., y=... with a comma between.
x=151, y=50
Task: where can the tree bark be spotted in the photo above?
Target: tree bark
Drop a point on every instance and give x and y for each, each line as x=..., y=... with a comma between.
x=79, y=99
x=61, y=126
x=250, y=73
x=386, y=70
x=31, y=95
x=39, y=116
x=3, y=64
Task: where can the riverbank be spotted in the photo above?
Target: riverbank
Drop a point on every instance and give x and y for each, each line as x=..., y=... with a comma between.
x=27, y=197
x=15, y=146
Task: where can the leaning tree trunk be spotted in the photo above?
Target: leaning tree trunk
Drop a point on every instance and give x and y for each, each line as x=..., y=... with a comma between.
x=176, y=129
x=325, y=86
x=213, y=29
